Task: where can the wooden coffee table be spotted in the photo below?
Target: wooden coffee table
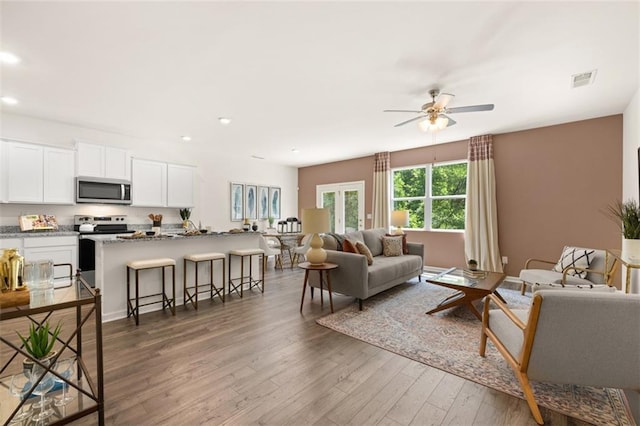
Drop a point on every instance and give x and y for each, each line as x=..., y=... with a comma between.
x=467, y=289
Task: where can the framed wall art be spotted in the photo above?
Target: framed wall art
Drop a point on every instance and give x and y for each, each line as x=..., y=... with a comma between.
x=237, y=202
x=274, y=202
x=263, y=202
x=251, y=202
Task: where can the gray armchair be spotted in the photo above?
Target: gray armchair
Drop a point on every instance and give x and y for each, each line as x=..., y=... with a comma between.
x=569, y=337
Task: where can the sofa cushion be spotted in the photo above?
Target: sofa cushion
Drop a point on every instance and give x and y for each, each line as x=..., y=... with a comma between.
x=354, y=236
x=329, y=242
x=388, y=269
x=373, y=240
x=364, y=250
x=349, y=247
x=392, y=246
x=572, y=256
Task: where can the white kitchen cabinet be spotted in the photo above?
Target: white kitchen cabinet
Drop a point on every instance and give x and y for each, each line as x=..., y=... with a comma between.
x=34, y=173
x=149, y=183
x=58, y=176
x=24, y=172
x=15, y=243
x=103, y=161
x=180, y=185
x=58, y=249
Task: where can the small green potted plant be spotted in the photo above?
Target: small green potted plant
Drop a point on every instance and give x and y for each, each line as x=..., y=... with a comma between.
x=627, y=216
x=39, y=343
x=185, y=214
x=270, y=219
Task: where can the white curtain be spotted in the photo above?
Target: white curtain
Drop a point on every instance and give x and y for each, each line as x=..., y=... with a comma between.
x=381, y=177
x=481, y=229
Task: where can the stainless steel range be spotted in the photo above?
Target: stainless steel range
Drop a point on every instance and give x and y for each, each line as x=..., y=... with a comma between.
x=90, y=229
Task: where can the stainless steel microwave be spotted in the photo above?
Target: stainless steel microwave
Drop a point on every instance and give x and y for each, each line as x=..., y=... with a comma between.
x=103, y=191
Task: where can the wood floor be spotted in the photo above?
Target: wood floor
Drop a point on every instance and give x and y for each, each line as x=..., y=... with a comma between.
x=257, y=360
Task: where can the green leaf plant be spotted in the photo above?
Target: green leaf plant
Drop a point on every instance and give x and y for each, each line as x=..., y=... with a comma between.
x=40, y=340
x=627, y=216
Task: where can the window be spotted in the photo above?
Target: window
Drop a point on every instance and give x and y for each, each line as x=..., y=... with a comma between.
x=442, y=206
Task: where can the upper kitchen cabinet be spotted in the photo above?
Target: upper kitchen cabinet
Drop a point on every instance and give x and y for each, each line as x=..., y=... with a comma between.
x=59, y=179
x=159, y=184
x=37, y=174
x=149, y=183
x=180, y=185
x=102, y=161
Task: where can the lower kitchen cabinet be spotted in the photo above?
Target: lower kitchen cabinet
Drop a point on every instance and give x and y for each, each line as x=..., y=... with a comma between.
x=58, y=249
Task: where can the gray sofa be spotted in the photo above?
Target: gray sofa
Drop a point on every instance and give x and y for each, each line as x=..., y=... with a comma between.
x=354, y=277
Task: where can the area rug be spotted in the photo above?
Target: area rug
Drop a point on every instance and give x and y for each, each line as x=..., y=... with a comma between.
x=395, y=320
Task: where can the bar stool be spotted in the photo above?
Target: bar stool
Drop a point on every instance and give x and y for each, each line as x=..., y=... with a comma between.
x=246, y=279
x=139, y=265
x=195, y=259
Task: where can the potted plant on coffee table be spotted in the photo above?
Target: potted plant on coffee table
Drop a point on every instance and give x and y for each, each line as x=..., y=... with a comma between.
x=39, y=343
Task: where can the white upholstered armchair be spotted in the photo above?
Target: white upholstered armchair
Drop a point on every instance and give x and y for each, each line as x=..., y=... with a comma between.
x=576, y=266
x=569, y=337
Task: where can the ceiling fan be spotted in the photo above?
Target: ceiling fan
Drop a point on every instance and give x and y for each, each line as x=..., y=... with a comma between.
x=434, y=114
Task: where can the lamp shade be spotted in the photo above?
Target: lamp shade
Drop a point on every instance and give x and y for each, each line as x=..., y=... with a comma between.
x=315, y=221
x=400, y=218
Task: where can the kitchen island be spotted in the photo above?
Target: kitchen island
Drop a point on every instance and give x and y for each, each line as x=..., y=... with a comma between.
x=113, y=254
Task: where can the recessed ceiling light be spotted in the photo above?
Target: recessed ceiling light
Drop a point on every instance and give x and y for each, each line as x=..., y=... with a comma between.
x=186, y=138
x=295, y=150
x=224, y=120
x=8, y=100
x=8, y=58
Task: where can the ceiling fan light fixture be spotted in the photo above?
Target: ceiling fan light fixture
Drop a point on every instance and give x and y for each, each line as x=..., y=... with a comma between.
x=433, y=124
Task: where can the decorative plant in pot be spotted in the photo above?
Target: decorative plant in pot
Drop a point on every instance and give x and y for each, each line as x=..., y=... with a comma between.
x=271, y=219
x=627, y=216
x=185, y=214
x=39, y=343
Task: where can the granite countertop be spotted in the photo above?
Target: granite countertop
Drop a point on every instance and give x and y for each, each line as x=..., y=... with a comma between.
x=173, y=237
x=29, y=234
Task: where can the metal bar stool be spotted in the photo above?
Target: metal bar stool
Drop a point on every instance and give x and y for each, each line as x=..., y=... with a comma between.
x=198, y=288
x=234, y=285
x=139, y=265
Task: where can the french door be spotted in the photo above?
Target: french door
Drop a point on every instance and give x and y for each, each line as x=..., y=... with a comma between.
x=345, y=202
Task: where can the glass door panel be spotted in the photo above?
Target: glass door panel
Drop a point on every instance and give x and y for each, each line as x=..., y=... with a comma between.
x=329, y=202
x=345, y=202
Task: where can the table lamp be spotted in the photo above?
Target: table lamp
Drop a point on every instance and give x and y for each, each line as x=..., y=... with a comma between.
x=315, y=221
x=399, y=218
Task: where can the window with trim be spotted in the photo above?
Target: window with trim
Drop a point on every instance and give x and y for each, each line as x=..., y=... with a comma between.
x=434, y=194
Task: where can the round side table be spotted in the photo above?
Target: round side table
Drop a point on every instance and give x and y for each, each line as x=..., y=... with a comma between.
x=326, y=268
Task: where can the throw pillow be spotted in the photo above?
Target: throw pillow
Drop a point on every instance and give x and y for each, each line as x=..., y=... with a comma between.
x=349, y=247
x=573, y=257
x=363, y=249
x=405, y=249
x=392, y=246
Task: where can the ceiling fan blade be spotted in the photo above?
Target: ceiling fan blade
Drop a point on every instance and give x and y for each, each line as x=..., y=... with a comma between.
x=401, y=110
x=451, y=120
x=443, y=100
x=470, y=108
x=409, y=121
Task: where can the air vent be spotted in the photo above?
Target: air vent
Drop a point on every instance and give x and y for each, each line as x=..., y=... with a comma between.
x=583, y=79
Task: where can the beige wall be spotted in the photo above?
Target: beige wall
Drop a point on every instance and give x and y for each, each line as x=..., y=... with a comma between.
x=552, y=185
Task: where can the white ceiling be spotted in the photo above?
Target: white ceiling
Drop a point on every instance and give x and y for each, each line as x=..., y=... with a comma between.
x=314, y=75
